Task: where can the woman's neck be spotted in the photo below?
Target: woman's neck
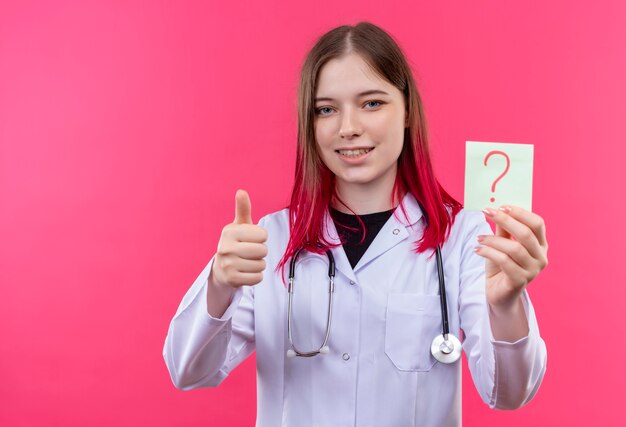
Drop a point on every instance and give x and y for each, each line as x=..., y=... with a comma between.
x=364, y=198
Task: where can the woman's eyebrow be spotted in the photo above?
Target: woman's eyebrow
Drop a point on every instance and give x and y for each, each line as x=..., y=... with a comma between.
x=367, y=92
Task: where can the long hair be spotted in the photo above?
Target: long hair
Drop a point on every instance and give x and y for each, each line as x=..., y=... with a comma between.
x=314, y=184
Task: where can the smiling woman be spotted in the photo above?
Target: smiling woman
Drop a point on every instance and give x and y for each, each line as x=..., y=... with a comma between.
x=359, y=137
x=363, y=153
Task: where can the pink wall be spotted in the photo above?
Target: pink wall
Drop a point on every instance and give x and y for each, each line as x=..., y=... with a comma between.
x=125, y=128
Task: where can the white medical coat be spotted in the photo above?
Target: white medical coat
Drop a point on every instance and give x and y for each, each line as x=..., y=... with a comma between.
x=379, y=371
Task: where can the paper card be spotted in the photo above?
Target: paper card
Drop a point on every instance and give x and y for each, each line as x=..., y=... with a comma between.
x=497, y=174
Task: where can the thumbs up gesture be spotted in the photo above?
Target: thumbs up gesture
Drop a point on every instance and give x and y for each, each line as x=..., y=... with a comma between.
x=241, y=249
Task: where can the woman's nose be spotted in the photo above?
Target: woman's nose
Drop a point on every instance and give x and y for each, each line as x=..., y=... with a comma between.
x=350, y=125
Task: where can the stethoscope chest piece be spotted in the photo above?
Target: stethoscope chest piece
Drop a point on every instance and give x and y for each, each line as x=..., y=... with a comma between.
x=446, y=348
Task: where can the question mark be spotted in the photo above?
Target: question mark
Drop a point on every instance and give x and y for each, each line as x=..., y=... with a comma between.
x=508, y=164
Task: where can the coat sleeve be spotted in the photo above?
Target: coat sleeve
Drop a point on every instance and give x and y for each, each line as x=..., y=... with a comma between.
x=507, y=375
x=200, y=350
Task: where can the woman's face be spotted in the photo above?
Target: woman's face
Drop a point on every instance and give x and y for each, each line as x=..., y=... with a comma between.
x=359, y=122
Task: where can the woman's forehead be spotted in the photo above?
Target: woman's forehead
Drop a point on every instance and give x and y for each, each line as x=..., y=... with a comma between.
x=349, y=76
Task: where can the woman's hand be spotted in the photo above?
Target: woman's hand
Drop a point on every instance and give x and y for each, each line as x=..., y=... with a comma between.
x=239, y=260
x=515, y=255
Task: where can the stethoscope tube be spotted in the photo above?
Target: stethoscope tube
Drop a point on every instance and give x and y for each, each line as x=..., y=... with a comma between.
x=446, y=348
x=442, y=293
x=293, y=351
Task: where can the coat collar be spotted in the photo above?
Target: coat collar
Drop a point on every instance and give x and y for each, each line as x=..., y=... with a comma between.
x=393, y=232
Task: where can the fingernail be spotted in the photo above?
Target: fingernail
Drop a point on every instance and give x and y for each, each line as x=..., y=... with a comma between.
x=480, y=239
x=505, y=209
x=477, y=249
x=489, y=212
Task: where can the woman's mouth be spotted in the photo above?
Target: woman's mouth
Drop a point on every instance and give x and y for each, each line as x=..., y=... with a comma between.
x=354, y=153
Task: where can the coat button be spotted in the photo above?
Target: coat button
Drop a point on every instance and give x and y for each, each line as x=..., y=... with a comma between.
x=345, y=356
x=396, y=231
x=352, y=282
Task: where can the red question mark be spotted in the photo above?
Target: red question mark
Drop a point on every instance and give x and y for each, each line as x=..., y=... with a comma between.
x=508, y=164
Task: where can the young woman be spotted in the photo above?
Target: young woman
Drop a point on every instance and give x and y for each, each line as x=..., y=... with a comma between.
x=365, y=199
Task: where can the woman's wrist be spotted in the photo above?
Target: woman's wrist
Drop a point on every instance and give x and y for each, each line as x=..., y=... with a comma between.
x=219, y=296
x=508, y=320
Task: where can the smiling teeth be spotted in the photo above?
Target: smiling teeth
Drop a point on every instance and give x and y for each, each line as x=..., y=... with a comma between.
x=355, y=153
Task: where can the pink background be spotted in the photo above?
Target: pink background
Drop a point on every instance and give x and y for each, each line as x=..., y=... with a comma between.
x=126, y=127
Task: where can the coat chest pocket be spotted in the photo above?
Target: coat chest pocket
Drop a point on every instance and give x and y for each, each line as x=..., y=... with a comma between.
x=413, y=320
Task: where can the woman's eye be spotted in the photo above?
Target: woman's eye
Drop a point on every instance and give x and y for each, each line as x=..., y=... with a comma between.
x=322, y=110
x=374, y=102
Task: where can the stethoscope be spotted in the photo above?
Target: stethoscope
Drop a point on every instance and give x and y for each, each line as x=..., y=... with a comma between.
x=446, y=348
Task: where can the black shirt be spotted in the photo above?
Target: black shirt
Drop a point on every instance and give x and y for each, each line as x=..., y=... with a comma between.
x=353, y=246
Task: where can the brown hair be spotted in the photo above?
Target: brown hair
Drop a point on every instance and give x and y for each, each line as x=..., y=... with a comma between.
x=314, y=183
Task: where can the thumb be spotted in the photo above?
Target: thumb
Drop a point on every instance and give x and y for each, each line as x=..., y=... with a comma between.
x=243, y=209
